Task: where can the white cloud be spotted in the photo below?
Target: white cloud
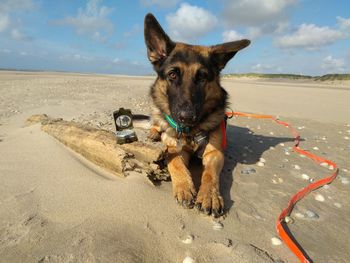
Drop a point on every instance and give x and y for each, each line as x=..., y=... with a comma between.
x=18, y=35
x=260, y=17
x=135, y=30
x=190, y=22
x=333, y=65
x=255, y=12
x=7, y=8
x=231, y=35
x=344, y=23
x=5, y=50
x=264, y=68
x=91, y=21
x=116, y=60
x=160, y=3
x=4, y=22
x=74, y=57
x=281, y=27
x=310, y=36
x=254, y=32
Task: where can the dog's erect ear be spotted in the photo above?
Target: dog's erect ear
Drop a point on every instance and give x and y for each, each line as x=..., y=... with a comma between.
x=222, y=53
x=159, y=45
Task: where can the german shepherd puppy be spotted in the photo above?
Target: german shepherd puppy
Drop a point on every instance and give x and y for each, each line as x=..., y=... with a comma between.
x=189, y=111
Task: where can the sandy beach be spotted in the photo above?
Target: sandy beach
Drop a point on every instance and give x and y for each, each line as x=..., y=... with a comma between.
x=57, y=207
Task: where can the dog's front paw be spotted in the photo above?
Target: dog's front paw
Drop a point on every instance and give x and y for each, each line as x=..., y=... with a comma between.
x=209, y=201
x=153, y=134
x=184, y=194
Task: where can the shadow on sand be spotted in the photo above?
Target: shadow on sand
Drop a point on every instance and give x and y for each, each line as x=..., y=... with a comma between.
x=239, y=141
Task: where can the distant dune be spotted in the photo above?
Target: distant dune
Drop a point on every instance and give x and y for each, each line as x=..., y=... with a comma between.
x=326, y=77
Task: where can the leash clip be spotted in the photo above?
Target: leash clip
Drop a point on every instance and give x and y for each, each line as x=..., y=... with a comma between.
x=229, y=115
x=178, y=134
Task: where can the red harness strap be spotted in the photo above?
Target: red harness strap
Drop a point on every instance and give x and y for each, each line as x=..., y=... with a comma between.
x=281, y=226
x=223, y=131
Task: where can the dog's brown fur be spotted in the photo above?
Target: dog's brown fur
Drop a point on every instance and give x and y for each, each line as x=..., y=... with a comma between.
x=188, y=89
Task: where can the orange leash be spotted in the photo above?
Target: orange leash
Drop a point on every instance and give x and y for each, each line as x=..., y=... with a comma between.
x=281, y=226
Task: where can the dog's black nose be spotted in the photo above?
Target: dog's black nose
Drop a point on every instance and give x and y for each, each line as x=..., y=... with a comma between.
x=187, y=117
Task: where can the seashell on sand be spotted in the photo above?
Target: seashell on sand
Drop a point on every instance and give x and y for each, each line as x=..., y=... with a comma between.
x=344, y=180
x=311, y=214
x=299, y=215
x=288, y=220
x=305, y=177
x=338, y=205
x=188, y=259
x=276, y=241
x=296, y=167
x=261, y=164
x=248, y=170
x=188, y=240
x=326, y=186
x=218, y=226
x=324, y=164
x=319, y=197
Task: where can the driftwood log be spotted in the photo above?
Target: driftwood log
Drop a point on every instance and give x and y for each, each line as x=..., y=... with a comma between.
x=100, y=147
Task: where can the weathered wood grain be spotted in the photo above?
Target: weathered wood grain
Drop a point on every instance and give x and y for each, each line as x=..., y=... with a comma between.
x=100, y=147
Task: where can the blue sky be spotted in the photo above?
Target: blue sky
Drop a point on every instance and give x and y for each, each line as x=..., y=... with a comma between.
x=104, y=36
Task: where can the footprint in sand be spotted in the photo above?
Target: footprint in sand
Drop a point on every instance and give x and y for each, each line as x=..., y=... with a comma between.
x=14, y=233
x=68, y=257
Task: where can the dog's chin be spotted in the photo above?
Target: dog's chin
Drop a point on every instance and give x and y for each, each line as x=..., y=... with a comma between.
x=188, y=124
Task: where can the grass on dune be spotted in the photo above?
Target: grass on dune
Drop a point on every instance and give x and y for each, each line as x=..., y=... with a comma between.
x=329, y=77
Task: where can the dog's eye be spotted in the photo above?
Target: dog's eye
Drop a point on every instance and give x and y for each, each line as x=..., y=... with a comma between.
x=172, y=75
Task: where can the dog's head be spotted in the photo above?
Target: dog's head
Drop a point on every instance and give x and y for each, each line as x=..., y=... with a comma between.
x=187, y=87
